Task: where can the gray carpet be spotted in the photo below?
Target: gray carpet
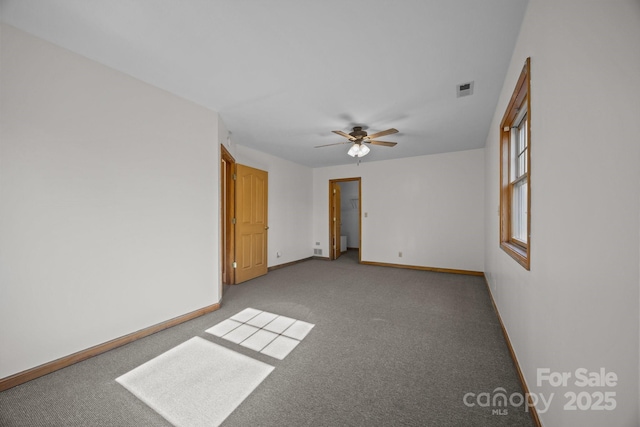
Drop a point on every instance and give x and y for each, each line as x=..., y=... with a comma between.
x=390, y=347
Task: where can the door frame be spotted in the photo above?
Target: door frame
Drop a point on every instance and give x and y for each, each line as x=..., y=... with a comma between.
x=227, y=208
x=332, y=182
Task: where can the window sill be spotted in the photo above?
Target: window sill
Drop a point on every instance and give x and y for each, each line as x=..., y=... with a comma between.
x=516, y=252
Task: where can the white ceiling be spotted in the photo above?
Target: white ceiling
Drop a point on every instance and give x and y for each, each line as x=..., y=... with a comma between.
x=284, y=73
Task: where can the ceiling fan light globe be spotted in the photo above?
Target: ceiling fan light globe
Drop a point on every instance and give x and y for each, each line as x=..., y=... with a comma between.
x=354, y=151
x=364, y=150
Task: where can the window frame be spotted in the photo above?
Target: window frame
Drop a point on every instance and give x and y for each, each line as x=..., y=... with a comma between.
x=521, y=98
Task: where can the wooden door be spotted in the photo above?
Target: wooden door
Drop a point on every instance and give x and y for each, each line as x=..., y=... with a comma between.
x=251, y=223
x=335, y=220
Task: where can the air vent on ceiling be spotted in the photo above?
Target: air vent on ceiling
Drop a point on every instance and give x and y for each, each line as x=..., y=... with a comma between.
x=465, y=89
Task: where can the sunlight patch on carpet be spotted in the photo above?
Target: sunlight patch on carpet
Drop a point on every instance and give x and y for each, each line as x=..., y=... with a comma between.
x=197, y=383
x=261, y=331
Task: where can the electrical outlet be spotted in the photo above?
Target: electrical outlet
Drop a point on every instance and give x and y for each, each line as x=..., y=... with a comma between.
x=400, y=254
x=278, y=254
x=366, y=214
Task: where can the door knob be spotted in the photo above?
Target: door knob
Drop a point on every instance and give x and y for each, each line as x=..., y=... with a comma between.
x=267, y=227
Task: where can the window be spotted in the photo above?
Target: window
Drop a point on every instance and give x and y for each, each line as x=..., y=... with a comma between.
x=515, y=166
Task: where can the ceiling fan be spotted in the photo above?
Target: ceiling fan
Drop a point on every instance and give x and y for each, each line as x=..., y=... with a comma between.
x=359, y=137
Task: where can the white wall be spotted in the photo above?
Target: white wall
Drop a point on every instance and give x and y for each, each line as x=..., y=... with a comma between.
x=290, y=205
x=429, y=207
x=108, y=204
x=349, y=213
x=578, y=306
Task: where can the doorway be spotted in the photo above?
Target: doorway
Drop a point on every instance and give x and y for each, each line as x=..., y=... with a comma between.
x=243, y=221
x=227, y=208
x=345, y=213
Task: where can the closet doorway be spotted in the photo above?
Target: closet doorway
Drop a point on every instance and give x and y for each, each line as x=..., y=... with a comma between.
x=243, y=221
x=227, y=206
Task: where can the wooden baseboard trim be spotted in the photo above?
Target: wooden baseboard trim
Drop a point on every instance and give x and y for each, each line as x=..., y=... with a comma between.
x=418, y=267
x=287, y=264
x=523, y=382
x=63, y=362
x=321, y=258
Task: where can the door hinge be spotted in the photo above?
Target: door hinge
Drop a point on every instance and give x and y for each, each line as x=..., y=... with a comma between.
x=233, y=220
x=235, y=264
x=234, y=177
x=334, y=219
x=334, y=191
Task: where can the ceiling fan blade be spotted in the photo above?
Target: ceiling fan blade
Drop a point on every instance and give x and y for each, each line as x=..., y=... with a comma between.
x=385, y=143
x=383, y=133
x=346, y=135
x=328, y=145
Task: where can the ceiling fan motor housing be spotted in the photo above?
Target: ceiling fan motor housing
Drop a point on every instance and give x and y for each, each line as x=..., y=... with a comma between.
x=358, y=133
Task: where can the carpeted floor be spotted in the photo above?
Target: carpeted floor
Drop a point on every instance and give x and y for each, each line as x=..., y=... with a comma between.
x=390, y=347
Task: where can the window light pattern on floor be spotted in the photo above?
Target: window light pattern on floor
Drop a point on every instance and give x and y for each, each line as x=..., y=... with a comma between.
x=261, y=331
